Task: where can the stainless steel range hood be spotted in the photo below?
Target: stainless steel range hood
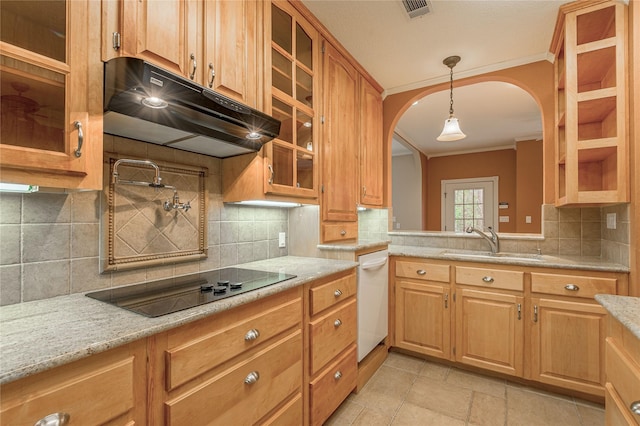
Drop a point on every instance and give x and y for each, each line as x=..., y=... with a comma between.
x=147, y=103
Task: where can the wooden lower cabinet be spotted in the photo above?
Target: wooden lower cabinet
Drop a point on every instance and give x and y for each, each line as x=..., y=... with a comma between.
x=107, y=389
x=490, y=331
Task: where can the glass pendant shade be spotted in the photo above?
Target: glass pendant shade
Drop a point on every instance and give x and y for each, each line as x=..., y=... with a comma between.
x=451, y=131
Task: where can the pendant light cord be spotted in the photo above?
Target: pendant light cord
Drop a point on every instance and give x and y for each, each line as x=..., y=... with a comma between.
x=451, y=94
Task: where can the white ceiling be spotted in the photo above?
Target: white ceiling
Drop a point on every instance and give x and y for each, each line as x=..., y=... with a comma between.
x=404, y=54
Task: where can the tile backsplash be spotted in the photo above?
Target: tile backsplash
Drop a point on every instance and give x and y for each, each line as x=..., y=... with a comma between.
x=50, y=242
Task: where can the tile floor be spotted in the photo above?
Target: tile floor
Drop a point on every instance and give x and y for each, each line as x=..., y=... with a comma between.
x=411, y=391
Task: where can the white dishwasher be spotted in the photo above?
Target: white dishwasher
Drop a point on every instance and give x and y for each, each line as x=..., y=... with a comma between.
x=373, y=300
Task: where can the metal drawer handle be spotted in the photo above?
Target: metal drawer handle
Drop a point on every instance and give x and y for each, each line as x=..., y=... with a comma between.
x=421, y=272
x=337, y=293
x=519, y=307
x=252, y=378
x=212, y=74
x=78, y=151
x=55, y=419
x=252, y=334
x=338, y=375
x=343, y=232
x=635, y=407
x=572, y=287
x=487, y=279
x=195, y=66
x=270, y=167
x=337, y=323
x=535, y=313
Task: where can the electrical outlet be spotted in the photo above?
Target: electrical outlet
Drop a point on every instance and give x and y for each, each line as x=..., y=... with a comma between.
x=527, y=219
x=503, y=219
x=611, y=221
x=282, y=239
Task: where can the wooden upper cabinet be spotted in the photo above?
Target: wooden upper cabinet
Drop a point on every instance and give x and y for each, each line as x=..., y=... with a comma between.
x=340, y=137
x=371, y=149
x=51, y=84
x=591, y=77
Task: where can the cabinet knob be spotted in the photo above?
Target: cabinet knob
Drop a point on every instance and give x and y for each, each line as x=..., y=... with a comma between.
x=338, y=375
x=78, y=151
x=252, y=378
x=337, y=293
x=635, y=407
x=572, y=287
x=212, y=75
x=487, y=279
x=337, y=323
x=55, y=419
x=194, y=67
x=421, y=272
x=252, y=334
x=343, y=232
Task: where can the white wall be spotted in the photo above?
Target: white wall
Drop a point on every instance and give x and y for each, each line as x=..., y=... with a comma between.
x=407, y=192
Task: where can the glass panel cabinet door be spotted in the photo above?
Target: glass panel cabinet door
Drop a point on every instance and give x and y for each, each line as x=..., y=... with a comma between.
x=41, y=126
x=292, y=167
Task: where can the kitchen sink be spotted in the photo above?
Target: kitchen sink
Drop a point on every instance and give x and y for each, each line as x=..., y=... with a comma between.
x=529, y=257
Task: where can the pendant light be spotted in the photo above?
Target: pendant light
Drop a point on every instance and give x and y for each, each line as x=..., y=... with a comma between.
x=451, y=130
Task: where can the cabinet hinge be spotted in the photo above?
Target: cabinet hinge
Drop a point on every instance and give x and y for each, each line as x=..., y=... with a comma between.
x=322, y=119
x=322, y=189
x=115, y=38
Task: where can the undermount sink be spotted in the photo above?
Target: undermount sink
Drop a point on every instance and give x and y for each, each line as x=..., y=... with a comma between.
x=530, y=257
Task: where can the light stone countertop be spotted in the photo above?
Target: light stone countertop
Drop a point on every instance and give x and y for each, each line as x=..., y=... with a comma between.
x=545, y=261
x=355, y=246
x=39, y=335
x=625, y=309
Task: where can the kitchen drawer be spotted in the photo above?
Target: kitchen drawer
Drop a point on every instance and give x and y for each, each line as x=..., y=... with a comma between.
x=107, y=387
x=623, y=373
x=331, y=334
x=211, y=342
x=332, y=386
x=331, y=293
x=616, y=413
x=247, y=391
x=490, y=278
x=572, y=285
x=339, y=231
x=423, y=271
x=289, y=414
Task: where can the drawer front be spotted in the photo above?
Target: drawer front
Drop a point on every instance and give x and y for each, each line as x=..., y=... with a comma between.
x=490, y=278
x=248, y=391
x=624, y=374
x=331, y=334
x=331, y=293
x=92, y=395
x=423, y=271
x=339, y=231
x=572, y=285
x=290, y=414
x=332, y=386
x=197, y=356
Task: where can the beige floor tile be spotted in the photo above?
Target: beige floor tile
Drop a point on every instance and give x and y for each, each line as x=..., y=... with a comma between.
x=442, y=397
x=591, y=415
x=391, y=381
x=487, y=410
x=370, y=417
x=413, y=415
x=533, y=409
x=345, y=414
x=433, y=370
x=404, y=362
x=382, y=403
x=477, y=382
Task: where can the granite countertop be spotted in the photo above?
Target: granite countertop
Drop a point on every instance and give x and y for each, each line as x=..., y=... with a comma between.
x=625, y=309
x=39, y=335
x=355, y=246
x=545, y=261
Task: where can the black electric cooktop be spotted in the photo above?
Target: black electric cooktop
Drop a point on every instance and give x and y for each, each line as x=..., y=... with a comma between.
x=163, y=297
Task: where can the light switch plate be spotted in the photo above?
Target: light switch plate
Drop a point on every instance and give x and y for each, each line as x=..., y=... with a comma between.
x=282, y=239
x=611, y=221
x=504, y=219
x=527, y=219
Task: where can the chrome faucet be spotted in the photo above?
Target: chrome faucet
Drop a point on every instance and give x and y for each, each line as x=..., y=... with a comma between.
x=493, y=240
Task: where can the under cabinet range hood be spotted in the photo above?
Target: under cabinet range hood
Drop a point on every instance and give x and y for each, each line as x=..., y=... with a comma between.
x=147, y=103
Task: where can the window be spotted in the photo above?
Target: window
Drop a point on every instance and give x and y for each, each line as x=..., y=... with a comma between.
x=469, y=202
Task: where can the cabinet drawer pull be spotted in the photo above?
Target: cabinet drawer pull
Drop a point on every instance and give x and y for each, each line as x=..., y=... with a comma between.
x=195, y=66
x=519, y=311
x=343, y=232
x=337, y=293
x=55, y=419
x=421, y=272
x=337, y=323
x=78, y=151
x=635, y=407
x=572, y=287
x=252, y=378
x=212, y=74
x=535, y=313
x=338, y=375
x=252, y=334
x=487, y=279
x=446, y=300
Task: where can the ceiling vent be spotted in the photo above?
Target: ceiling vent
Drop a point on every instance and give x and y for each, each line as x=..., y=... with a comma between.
x=416, y=8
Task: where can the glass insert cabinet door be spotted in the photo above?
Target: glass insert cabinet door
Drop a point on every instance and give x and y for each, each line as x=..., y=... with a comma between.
x=291, y=157
x=40, y=129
